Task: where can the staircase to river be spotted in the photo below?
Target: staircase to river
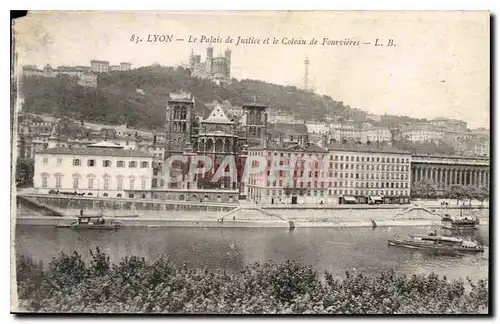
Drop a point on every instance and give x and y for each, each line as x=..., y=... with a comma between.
x=29, y=206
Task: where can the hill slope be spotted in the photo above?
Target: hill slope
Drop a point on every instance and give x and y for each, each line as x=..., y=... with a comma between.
x=116, y=100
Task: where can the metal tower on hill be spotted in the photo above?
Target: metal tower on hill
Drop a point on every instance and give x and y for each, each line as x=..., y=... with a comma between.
x=306, y=74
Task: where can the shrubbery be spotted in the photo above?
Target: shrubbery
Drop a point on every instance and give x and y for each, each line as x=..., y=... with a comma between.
x=133, y=285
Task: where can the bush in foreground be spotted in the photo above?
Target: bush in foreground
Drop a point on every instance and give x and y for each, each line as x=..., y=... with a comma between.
x=135, y=286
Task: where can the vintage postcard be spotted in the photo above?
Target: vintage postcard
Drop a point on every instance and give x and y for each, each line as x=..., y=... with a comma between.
x=251, y=162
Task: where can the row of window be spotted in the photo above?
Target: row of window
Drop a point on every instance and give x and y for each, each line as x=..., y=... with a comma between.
x=316, y=184
x=107, y=163
x=299, y=175
x=331, y=192
x=317, y=165
x=92, y=183
x=347, y=158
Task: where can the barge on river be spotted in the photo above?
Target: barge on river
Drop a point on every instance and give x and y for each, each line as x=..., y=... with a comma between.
x=464, y=223
x=437, y=243
x=92, y=223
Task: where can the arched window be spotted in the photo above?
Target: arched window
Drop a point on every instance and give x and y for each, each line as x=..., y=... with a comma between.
x=106, y=181
x=119, y=195
x=119, y=182
x=181, y=197
x=76, y=181
x=45, y=177
x=58, y=179
x=143, y=196
x=131, y=195
x=105, y=194
x=206, y=198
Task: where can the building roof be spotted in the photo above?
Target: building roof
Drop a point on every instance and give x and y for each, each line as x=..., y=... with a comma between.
x=255, y=105
x=371, y=148
x=95, y=151
x=308, y=148
x=217, y=116
x=105, y=144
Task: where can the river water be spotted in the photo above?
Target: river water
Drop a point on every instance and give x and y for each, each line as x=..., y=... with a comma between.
x=335, y=249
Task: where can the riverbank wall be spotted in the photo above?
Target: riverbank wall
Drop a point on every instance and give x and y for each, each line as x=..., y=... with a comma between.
x=170, y=213
x=164, y=223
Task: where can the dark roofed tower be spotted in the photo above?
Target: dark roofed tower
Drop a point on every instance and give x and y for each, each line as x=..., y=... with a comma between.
x=179, y=120
x=255, y=123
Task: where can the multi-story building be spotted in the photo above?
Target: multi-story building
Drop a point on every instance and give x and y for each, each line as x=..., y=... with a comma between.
x=369, y=172
x=423, y=133
x=481, y=147
x=345, y=131
x=283, y=117
x=84, y=76
x=317, y=128
x=125, y=66
x=99, y=66
x=452, y=125
x=287, y=177
x=343, y=173
x=375, y=134
x=102, y=169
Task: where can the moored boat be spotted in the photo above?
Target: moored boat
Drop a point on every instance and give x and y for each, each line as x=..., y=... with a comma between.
x=463, y=223
x=93, y=223
x=437, y=243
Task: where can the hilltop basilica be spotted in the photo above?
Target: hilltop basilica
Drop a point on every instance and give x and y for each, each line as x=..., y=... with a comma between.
x=218, y=69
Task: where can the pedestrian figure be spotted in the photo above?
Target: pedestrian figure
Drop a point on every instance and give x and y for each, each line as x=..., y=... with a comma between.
x=234, y=218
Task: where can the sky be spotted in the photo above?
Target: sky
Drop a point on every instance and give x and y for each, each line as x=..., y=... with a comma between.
x=439, y=66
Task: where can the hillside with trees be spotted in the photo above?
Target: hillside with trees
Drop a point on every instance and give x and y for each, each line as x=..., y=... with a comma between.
x=138, y=97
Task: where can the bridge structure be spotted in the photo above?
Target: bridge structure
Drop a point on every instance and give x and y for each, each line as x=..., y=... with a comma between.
x=445, y=171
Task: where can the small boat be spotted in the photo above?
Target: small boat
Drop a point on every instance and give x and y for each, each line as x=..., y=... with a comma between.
x=460, y=224
x=93, y=222
x=433, y=242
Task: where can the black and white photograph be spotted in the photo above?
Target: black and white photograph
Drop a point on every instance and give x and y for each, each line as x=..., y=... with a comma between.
x=251, y=162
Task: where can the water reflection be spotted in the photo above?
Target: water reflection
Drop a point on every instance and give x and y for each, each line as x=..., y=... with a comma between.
x=334, y=249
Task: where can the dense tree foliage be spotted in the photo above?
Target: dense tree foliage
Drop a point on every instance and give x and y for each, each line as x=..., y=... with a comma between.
x=462, y=193
x=133, y=285
x=428, y=189
x=424, y=189
x=25, y=169
x=62, y=96
x=117, y=101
